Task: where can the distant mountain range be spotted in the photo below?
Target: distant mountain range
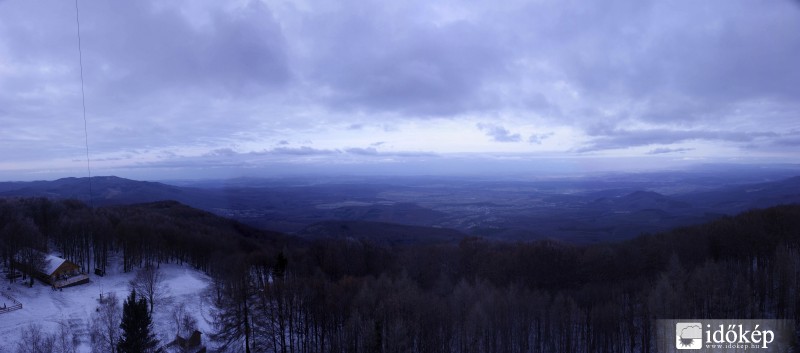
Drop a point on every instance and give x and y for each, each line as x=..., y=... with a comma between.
x=106, y=190
x=585, y=210
x=734, y=199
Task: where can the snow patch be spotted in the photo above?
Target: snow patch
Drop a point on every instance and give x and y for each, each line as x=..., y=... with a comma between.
x=74, y=305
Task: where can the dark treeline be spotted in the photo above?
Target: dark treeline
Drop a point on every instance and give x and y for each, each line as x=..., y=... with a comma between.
x=147, y=234
x=353, y=296
x=273, y=293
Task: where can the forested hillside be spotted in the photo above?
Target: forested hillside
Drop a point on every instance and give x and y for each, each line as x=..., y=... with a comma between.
x=143, y=234
x=275, y=293
x=544, y=297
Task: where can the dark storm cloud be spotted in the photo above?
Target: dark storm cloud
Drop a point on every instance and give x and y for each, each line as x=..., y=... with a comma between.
x=150, y=47
x=300, y=151
x=664, y=150
x=356, y=151
x=678, y=62
x=373, y=152
x=389, y=58
x=702, y=56
x=608, y=139
x=134, y=48
x=369, y=151
x=789, y=141
x=499, y=133
x=229, y=158
x=201, y=76
x=221, y=152
x=155, y=75
x=537, y=139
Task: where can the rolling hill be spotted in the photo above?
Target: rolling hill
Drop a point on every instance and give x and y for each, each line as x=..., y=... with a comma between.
x=583, y=210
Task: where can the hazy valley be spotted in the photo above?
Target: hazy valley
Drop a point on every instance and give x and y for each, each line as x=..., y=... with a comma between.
x=593, y=208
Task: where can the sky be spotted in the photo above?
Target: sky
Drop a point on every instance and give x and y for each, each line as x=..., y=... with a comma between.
x=209, y=89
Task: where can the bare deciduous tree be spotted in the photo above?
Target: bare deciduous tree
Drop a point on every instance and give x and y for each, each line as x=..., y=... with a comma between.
x=105, y=331
x=65, y=339
x=184, y=323
x=232, y=313
x=32, y=261
x=149, y=283
x=34, y=340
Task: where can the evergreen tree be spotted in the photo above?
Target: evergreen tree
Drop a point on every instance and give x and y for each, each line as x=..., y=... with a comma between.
x=136, y=325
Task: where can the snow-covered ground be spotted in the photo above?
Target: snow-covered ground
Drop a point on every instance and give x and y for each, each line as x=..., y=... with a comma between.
x=41, y=305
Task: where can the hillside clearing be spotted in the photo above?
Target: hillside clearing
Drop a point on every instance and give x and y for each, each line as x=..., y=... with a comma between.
x=74, y=305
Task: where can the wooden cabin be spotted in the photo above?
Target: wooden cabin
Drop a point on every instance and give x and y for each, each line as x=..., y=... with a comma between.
x=61, y=273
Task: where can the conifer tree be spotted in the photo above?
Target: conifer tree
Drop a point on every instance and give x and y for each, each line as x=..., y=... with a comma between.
x=136, y=327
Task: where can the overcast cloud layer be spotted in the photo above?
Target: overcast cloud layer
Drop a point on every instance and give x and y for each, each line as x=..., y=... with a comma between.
x=210, y=88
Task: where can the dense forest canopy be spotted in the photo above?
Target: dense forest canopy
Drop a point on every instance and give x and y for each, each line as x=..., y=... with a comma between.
x=274, y=292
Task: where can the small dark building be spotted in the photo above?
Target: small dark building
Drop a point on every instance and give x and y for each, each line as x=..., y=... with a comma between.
x=193, y=344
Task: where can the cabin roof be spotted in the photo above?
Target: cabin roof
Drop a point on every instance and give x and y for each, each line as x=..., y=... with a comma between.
x=53, y=263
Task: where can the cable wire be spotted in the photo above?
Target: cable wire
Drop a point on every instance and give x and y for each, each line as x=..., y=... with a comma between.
x=83, y=102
